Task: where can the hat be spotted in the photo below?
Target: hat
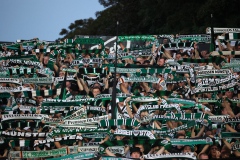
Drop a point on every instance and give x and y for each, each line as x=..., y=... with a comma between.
x=135, y=149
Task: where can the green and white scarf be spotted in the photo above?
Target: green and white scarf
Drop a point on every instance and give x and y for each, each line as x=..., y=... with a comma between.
x=48, y=120
x=207, y=100
x=230, y=135
x=169, y=132
x=83, y=61
x=176, y=46
x=75, y=156
x=144, y=99
x=214, y=88
x=48, y=153
x=181, y=116
x=222, y=72
x=218, y=118
x=141, y=79
x=157, y=107
x=189, y=155
x=85, y=121
x=21, y=71
x=49, y=92
x=222, y=30
x=182, y=101
x=57, y=139
x=44, y=80
x=135, y=133
x=231, y=120
x=136, y=38
x=69, y=70
x=80, y=112
x=217, y=53
x=10, y=80
x=94, y=135
x=190, y=141
x=12, y=89
x=25, y=62
x=114, y=158
x=59, y=102
x=78, y=126
x=7, y=117
x=118, y=122
x=37, y=154
x=96, y=108
x=214, y=81
x=236, y=146
x=59, y=131
x=88, y=149
x=192, y=38
x=24, y=134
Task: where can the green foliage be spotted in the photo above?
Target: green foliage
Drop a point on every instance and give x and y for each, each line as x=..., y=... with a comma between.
x=157, y=17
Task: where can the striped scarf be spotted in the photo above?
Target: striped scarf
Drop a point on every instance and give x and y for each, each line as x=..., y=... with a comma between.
x=17, y=71
x=43, y=93
x=117, y=122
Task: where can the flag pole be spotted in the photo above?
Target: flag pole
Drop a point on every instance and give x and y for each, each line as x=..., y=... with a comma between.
x=63, y=88
x=212, y=45
x=114, y=91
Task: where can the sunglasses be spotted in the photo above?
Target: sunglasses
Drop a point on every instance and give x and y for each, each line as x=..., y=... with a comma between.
x=214, y=148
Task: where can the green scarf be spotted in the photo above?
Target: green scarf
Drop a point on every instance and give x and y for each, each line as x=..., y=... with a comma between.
x=230, y=135
x=136, y=38
x=21, y=70
x=49, y=153
x=182, y=101
x=37, y=154
x=75, y=156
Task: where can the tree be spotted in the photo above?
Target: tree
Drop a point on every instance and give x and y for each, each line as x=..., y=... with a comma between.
x=157, y=17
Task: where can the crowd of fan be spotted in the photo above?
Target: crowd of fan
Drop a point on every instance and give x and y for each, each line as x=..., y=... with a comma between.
x=90, y=85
